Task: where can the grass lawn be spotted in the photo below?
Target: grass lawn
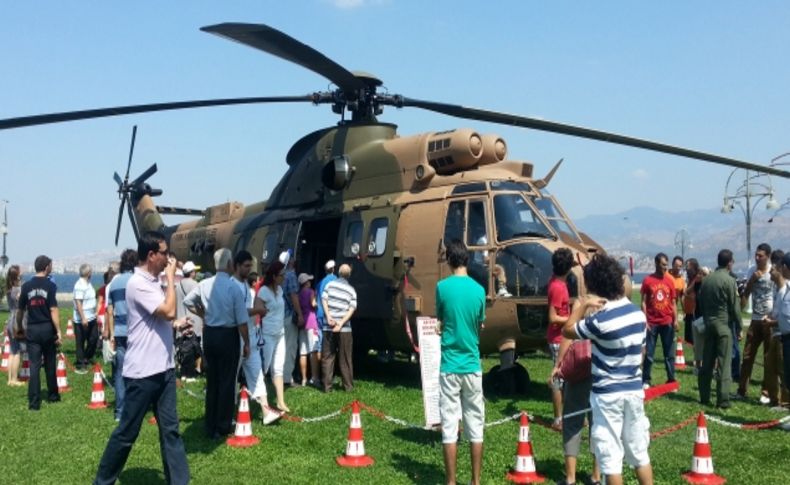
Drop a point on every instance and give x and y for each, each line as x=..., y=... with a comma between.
x=63, y=442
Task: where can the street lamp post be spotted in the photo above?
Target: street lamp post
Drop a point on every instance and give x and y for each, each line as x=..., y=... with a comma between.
x=751, y=191
x=683, y=242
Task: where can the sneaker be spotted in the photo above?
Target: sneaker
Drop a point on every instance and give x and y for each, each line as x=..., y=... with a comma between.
x=503, y=293
x=557, y=424
x=724, y=405
x=646, y=386
x=737, y=397
x=764, y=400
x=271, y=415
x=784, y=426
x=779, y=409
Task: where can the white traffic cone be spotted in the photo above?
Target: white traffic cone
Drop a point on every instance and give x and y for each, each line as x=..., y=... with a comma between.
x=355, y=456
x=702, y=460
x=524, y=471
x=97, y=393
x=243, y=436
x=60, y=373
x=680, y=359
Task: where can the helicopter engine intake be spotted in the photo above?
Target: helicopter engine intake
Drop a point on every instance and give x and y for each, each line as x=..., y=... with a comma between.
x=452, y=151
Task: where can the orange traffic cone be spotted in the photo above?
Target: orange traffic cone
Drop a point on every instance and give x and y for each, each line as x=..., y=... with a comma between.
x=97, y=393
x=24, y=371
x=680, y=359
x=524, y=471
x=355, y=448
x=243, y=436
x=70, y=329
x=6, y=354
x=60, y=373
x=702, y=461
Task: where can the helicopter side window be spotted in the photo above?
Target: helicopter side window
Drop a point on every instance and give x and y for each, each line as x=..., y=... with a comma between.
x=468, y=188
x=515, y=218
x=270, y=247
x=454, y=225
x=353, y=239
x=377, y=238
x=476, y=229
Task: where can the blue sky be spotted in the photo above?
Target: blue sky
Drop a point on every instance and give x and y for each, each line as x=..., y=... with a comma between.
x=706, y=75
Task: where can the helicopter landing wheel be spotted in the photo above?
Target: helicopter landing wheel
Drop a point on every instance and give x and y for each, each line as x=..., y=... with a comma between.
x=509, y=381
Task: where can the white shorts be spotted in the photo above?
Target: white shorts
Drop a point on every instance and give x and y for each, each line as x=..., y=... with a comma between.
x=462, y=394
x=274, y=354
x=308, y=341
x=620, y=429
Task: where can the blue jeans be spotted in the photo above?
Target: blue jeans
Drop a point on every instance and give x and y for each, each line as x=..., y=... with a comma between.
x=736, y=355
x=117, y=375
x=667, y=335
x=158, y=390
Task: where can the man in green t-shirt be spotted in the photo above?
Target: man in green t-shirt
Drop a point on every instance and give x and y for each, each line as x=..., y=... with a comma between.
x=460, y=308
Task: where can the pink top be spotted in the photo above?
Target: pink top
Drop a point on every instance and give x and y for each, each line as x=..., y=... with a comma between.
x=306, y=296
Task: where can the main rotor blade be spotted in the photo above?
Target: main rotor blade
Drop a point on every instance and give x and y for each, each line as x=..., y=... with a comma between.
x=87, y=114
x=144, y=176
x=284, y=46
x=564, y=129
x=120, y=218
x=131, y=151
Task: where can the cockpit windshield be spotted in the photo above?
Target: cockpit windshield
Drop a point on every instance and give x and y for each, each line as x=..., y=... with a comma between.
x=515, y=218
x=548, y=207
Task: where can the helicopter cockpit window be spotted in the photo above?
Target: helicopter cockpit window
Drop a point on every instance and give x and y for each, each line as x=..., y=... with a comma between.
x=527, y=270
x=551, y=213
x=515, y=219
x=511, y=186
x=353, y=239
x=469, y=188
x=454, y=225
x=377, y=239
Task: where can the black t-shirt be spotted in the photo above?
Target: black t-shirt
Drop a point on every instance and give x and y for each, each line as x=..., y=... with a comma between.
x=38, y=296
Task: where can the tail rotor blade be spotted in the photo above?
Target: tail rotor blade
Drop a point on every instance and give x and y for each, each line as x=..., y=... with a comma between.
x=120, y=218
x=144, y=176
x=130, y=210
x=131, y=151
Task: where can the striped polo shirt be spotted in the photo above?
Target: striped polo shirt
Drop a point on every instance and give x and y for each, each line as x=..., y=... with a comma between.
x=617, y=333
x=116, y=296
x=340, y=297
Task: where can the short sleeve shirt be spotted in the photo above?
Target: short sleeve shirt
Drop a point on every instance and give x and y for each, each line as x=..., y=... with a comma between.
x=659, y=297
x=37, y=297
x=116, y=296
x=460, y=306
x=274, y=320
x=150, y=343
x=559, y=298
x=83, y=290
x=781, y=309
x=762, y=294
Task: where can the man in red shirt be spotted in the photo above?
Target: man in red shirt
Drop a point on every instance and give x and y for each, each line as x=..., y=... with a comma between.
x=658, y=304
x=559, y=309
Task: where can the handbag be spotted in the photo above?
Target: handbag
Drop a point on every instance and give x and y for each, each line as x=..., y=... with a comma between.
x=107, y=351
x=576, y=365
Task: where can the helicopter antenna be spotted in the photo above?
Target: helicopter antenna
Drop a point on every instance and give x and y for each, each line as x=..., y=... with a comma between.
x=542, y=183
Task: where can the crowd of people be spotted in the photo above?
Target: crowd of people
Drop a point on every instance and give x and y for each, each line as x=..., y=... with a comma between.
x=238, y=327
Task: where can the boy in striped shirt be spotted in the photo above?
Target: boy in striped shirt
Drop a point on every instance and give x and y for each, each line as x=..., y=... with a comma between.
x=616, y=329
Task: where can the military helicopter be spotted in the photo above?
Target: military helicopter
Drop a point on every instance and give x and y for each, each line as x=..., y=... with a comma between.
x=360, y=193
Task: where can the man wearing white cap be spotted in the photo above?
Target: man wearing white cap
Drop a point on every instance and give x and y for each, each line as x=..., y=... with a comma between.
x=183, y=288
x=293, y=316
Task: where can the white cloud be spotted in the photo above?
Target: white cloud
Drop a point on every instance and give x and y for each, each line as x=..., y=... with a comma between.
x=640, y=174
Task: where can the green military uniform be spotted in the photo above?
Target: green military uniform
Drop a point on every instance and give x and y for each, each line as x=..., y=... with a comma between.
x=718, y=302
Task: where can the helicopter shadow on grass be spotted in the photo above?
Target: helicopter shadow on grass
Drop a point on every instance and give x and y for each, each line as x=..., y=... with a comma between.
x=195, y=439
x=142, y=476
x=397, y=373
x=417, y=471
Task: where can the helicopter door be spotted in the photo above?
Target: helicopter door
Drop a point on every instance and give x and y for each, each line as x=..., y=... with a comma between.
x=467, y=220
x=290, y=237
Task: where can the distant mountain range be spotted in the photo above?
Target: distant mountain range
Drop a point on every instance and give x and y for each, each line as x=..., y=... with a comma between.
x=642, y=232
